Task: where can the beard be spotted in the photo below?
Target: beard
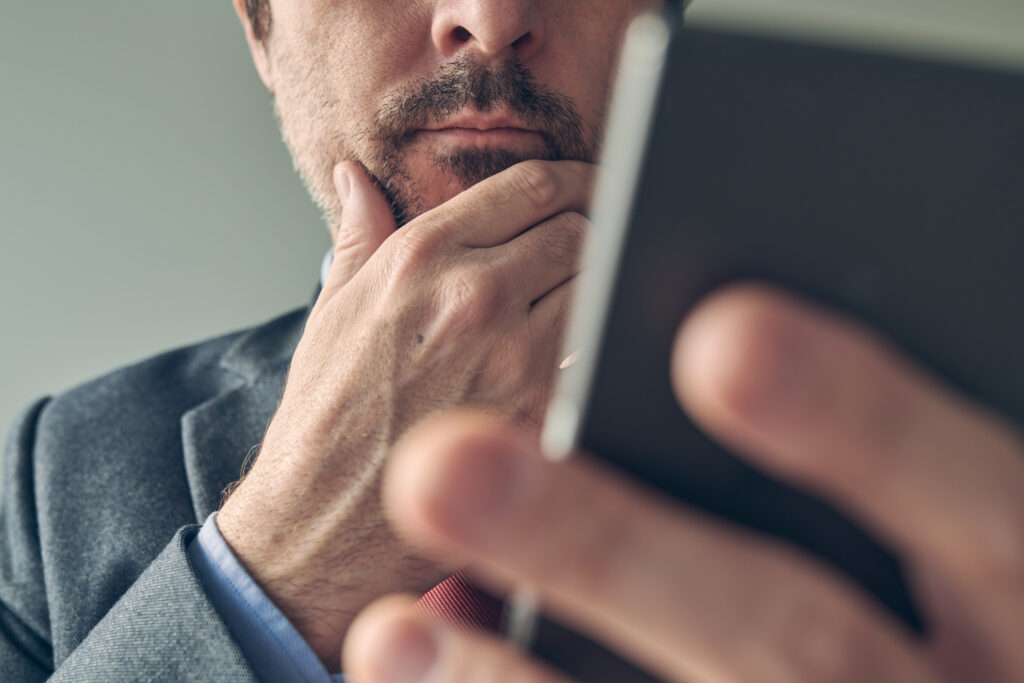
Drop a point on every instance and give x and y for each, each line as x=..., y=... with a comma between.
x=309, y=116
x=460, y=85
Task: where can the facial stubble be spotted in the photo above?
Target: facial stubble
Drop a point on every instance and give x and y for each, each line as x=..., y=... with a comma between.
x=317, y=145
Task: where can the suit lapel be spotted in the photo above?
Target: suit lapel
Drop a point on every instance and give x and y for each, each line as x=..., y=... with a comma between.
x=219, y=433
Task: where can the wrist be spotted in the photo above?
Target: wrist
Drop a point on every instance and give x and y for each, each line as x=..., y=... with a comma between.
x=320, y=619
x=319, y=571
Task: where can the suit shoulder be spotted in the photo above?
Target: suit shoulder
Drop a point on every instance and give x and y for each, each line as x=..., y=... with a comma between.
x=159, y=389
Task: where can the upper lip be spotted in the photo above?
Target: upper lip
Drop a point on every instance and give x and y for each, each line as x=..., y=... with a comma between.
x=481, y=122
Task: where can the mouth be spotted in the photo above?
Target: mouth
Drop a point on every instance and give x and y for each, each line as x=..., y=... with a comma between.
x=482, y=130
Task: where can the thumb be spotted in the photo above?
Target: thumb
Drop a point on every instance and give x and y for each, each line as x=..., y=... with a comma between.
x=366, y=222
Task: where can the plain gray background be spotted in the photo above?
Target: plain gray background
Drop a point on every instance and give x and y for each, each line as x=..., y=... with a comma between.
x=146, y=200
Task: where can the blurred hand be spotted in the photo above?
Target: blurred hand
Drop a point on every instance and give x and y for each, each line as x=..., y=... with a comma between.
x=464, y=305
x=807, y=395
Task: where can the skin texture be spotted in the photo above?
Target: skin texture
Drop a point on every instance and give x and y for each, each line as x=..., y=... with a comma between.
x=812, y=397
x=464, y=305
x=336, y=69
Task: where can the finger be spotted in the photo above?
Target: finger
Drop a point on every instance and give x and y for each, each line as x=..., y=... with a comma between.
x=503, y=206
x=542, y=258
x=366, y=222
x=390, y=642
x=686, y=597
x=820, y=400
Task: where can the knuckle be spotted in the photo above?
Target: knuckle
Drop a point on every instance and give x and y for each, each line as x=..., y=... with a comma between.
x=412, y=252
x=536, y=181
x=563, y=244
x=513, y=374
x=469, y=298
x=577, y=224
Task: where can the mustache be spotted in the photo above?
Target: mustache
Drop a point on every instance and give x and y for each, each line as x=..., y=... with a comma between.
x=467, y=83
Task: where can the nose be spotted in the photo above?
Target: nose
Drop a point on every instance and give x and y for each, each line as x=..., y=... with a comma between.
x=494, y=29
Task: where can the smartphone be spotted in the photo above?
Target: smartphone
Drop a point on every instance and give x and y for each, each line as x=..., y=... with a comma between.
x=886, y=187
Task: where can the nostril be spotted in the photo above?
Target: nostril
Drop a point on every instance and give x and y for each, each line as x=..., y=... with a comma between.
x=523, y=41
x=462, y=35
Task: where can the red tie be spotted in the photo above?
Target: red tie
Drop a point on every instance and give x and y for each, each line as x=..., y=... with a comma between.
x=459, y=603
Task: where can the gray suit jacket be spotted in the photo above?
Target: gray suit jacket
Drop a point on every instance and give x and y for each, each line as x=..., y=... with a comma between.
x=103, y=486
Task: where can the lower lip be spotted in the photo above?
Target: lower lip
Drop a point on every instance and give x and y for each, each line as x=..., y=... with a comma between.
x=482, y=138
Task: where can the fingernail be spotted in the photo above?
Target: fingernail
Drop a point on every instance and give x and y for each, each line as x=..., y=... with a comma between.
x=405, y=653
x=779, y=380
x=758, y=368
x=342, y=184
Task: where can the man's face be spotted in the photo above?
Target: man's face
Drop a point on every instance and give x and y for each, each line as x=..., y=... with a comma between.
x=432, y=96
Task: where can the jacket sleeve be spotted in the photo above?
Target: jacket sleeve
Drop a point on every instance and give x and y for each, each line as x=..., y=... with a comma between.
x=164, y=628
x=276, y=651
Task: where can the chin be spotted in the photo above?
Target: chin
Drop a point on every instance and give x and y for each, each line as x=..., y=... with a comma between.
x=436, y=177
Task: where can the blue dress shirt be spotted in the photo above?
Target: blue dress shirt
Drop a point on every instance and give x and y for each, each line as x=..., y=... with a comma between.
x=269, y=641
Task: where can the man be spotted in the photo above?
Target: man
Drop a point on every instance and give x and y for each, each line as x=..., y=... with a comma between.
x=450, y=278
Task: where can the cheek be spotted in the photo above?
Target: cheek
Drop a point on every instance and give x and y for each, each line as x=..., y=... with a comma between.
x=584, y=61
x=376, y=46
x=347, y=50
